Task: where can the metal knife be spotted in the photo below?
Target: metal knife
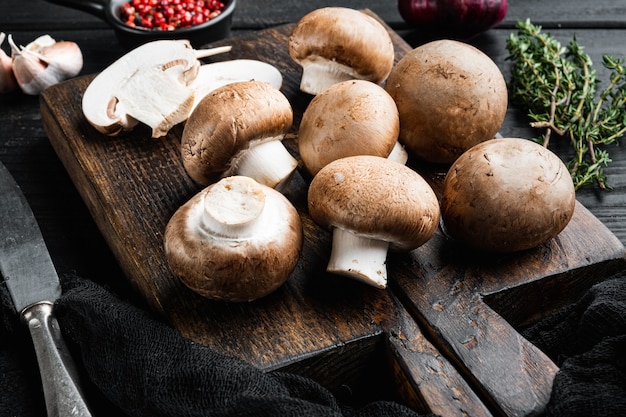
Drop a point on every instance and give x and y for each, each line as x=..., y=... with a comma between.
x=33, y=283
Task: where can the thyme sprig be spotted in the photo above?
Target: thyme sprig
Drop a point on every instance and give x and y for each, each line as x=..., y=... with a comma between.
x=558, y=87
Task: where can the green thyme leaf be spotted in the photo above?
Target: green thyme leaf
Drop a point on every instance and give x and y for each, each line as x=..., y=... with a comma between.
x=557, y=86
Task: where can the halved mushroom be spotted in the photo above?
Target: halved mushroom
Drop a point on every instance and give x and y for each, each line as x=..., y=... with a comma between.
x=334, y=44
x=371, y=204
x=349, y=118
x=236, y=240
x=218, y=74
x=160, y=83
x=237, y=130
x=149, y=84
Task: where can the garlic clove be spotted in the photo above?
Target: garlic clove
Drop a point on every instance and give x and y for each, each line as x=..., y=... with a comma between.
x=8, y=82
x=64, y=55
x=28, y=70
x=41, y=42
x=44, y=62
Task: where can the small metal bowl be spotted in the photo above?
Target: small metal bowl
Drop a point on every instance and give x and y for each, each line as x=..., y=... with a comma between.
x=129, y=37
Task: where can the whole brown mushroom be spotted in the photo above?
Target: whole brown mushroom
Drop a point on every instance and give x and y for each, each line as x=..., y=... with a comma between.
x=507, y=195
x=349, y=118
x=334, y=44
x=238, y=129
x=450, y=97
x=371, y=204
x=236, y=240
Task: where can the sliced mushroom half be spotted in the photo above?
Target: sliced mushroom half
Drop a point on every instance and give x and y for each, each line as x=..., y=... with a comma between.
x=160, y=83
x=149, y=84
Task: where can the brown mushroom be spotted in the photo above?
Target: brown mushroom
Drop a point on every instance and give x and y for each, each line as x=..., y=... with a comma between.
x=507, y=195
x=450, y=96
x=371, y=204
x=334, y=44
x=236, y=240
x=237, y=130
x=350, y=118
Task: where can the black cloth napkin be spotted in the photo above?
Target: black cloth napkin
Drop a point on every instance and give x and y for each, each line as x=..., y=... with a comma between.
x=587, y=340
x=135, y=365
x=138, y=366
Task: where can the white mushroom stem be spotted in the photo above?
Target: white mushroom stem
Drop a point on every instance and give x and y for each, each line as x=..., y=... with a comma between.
x=398, y=154
x=267, y=161
x=204, y=53
x=359, y=257
x=319, y=74
x=233, y=209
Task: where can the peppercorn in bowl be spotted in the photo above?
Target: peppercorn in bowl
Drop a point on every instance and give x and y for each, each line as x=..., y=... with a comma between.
x=139, y=21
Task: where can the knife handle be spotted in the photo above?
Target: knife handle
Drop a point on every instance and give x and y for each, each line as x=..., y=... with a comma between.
x=58, y=371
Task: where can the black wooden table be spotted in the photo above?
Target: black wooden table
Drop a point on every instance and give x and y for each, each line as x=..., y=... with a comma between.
x=75, y=242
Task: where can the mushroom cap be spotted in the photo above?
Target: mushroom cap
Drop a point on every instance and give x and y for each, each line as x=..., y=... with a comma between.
x=349, y=38
x=350, y=118
x=506, y=195
x=235, y=268
x=450, y=97
x=376, y=198
x=224, y=123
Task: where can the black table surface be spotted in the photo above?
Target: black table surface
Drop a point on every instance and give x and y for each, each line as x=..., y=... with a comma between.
x=75, y=243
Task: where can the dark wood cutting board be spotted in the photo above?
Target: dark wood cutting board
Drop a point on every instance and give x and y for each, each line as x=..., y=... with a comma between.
x=443, y=338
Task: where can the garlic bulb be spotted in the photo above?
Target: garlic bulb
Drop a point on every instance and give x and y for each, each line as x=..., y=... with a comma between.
x=44, y=62
x=7, y=79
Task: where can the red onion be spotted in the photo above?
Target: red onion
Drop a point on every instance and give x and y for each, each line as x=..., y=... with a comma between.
x=456, y=18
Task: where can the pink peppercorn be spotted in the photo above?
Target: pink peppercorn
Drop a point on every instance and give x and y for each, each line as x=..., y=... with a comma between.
x=169, y=14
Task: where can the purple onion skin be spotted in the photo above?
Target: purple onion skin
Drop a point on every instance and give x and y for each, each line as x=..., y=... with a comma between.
x=453, y=18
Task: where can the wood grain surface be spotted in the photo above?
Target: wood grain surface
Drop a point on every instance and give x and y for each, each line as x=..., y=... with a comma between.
x=448, y=325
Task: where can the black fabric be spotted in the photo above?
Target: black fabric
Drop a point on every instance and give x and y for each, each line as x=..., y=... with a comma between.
x=588, y=342
x=138, y=366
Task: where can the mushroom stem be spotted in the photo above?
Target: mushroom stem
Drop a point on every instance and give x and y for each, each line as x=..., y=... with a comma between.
x=359, y=257
x=232, y=208
x=204, y=53
x=317, y=76
x=398, y=154
x=267, y=161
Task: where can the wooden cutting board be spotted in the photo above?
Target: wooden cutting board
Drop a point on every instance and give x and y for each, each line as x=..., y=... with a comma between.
x=443, y=338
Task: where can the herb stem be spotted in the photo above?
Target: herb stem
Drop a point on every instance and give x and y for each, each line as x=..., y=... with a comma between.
x=558, y=85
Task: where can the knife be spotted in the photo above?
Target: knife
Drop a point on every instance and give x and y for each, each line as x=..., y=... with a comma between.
x=33, y=283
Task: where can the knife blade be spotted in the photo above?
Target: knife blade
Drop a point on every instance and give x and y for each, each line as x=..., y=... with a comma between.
x=33, y=284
